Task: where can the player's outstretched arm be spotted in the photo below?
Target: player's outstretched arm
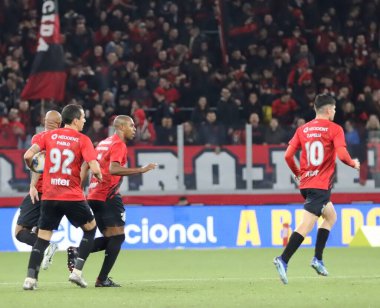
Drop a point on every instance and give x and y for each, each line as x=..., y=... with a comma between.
x=117, y=169
x=345, y=157
x=289, y=158
x=95, y=169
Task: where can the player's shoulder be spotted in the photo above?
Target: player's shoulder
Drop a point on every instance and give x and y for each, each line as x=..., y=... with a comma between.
x=115, y=140
x=335, y=126
x=37, y=137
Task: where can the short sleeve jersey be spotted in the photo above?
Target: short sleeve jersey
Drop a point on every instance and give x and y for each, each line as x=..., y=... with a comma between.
x=111, y=149
x=66, y=149
x=35, y=140
x=318, y=140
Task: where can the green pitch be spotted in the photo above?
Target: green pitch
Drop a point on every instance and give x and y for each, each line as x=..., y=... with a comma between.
x=201, y=278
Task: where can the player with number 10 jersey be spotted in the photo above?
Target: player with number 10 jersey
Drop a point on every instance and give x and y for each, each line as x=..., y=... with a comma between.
x=66, y=150
x=318, y=140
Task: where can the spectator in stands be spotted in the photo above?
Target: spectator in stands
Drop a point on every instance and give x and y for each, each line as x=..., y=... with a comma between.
x=124, y=106
x=228, y=111
x=211, y=133
x=199, y=112
x=97, y=132
x=25, y=118
x=284, y=108
x=258, y=130
x=141, y=94
x=373, y=129
x=355, y=148
x=166, y=133
x=190, y=134
x=351, y=135
x=253, y=105
x=12, y=130
x=145, y=132
x=274, y=133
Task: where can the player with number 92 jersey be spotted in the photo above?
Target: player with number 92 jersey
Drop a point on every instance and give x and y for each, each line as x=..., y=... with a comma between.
x=66, y=149
x=111, y=149
x=318, y=139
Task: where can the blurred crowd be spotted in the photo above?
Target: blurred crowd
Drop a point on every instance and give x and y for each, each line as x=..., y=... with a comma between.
x=162, y=63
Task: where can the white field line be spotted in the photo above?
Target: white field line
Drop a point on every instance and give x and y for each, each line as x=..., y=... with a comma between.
x=227, y=279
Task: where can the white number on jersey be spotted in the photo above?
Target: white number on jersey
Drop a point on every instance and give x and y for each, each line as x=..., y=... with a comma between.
x=56, y=159
x=314, y=153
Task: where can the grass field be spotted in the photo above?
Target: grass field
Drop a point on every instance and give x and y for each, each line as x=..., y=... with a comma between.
x=201, y=278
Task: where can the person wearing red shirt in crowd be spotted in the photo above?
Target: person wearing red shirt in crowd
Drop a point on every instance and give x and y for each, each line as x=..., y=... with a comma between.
x=284, y=108
x=105, y=200
x=11, y=130
x=66, y=150
x=320, y=140
x=31, y=205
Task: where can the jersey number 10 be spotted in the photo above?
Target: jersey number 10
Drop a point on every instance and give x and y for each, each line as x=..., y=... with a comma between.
x=314, y=153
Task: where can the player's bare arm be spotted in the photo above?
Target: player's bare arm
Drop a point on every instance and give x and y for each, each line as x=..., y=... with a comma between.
x=33, y=193
x=84, y=173
x=345, y=157
x=95, y=169
x=28, y=156
x=117, y=169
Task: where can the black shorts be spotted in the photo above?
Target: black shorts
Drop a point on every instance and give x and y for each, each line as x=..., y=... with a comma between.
x=315, y=200
x=52, y=211
x=29, y=212
x=109, y=213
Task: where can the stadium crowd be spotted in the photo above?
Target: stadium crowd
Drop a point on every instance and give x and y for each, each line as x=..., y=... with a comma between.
x=162, y=63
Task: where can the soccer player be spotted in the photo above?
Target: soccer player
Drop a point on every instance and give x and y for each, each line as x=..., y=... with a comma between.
x=30, y=206
x=105, y=200
x=320, y=140
x=66, y=149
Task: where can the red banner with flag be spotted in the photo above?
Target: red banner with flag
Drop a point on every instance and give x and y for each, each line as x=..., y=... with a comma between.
x=48, y=77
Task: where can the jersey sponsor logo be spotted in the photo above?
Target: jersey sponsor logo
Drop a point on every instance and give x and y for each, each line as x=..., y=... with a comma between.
x=59, y=182
x=64, y=137
x=315, y=128
x=311, y=173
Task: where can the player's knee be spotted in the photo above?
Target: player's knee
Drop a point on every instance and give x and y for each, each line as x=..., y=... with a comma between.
x=17, y=230
x=117, y=240
x=120, y=238
x=331, y=214
x=89, y=233
x=18, y=235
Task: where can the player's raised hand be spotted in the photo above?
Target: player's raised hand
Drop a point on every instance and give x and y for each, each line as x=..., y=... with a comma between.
x=357, y=164
x=33, y=193
x=149, y=167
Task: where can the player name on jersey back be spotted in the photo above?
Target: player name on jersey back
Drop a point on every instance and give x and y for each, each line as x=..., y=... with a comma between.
x=314, y=132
